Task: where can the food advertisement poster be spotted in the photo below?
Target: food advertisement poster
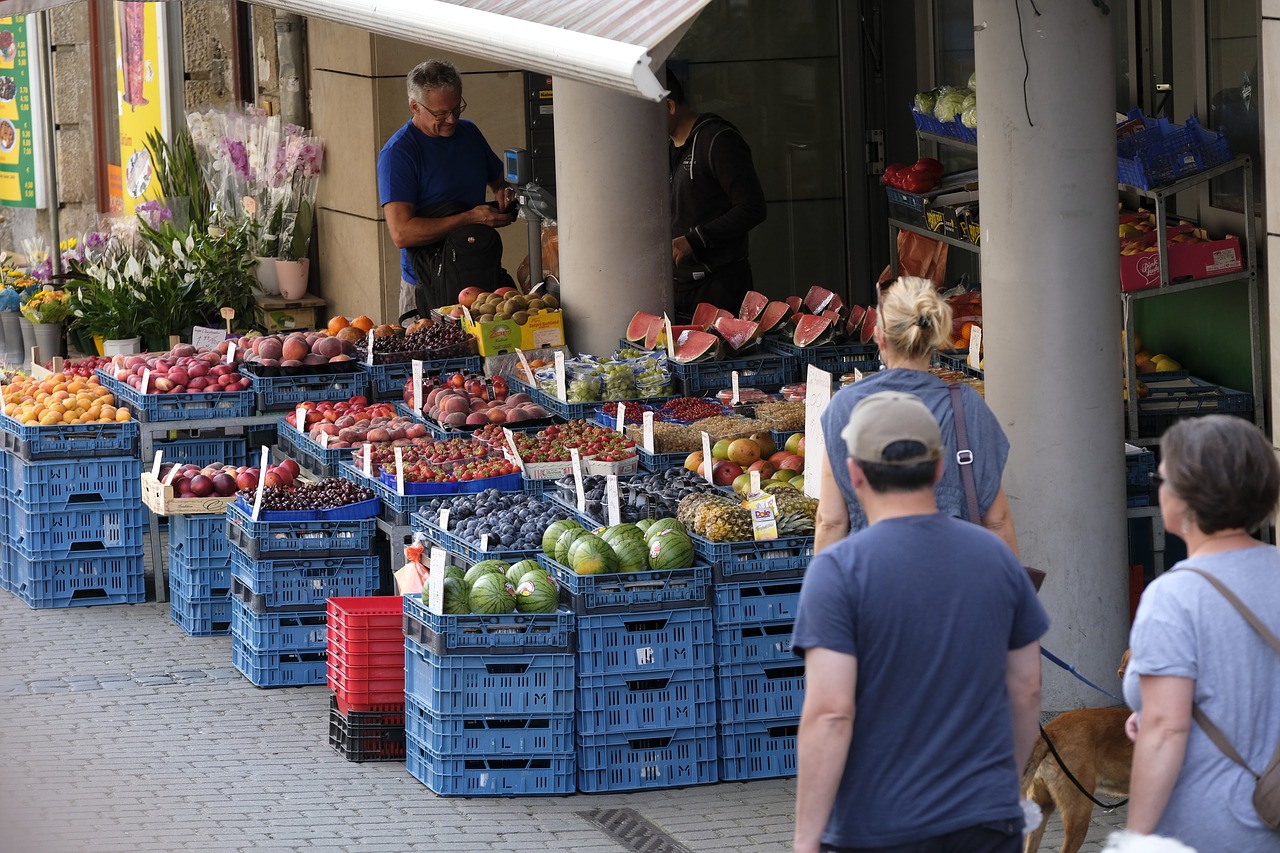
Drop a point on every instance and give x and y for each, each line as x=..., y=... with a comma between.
x=140, y=84
x=17, y=148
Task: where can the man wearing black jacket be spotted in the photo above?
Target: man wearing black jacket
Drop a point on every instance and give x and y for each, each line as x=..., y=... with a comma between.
x=715, y=200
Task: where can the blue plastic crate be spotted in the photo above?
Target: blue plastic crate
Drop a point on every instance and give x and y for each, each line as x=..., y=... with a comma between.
x=279, y=540
x=200, y=540
x=1138, y=499
x=197, y=582
x=751, y=692
x=764, y=642
x=782, y=557
x=298, y=448
x=386, y=381
x=758, y=750
x=76, y=532
x=307, y=631
x=205, y=451
x=57, y=485
x=957, y=360
x=278, y=668
x=642, y=761
x=767, y=370
x=490, y=776
x=69, y=441
x=583, y=411
x=1158, y=155
x=836, y=359
x=640, y=642
x=752, y=602
x=1187, y=396
x=200, y=618
x=1139, y=465
x=77, y=581
x=285, y=583
x=282, y=393
x=458, y=734
x=660, y=461
x=480, y=633
x=462, y=548
x=951, y=129
x=489, y=684
x=396, y=509
x=152, y=408
x=632, y=702
x=631, y=592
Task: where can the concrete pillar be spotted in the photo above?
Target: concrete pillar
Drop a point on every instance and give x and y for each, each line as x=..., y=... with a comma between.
x=1270, y=73
x=1052, y=313
x=614, y=213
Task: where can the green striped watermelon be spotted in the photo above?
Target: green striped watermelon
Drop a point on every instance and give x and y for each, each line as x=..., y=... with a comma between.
x=484, y=567
x=537, y=594
x=633, y=554
x=566, y=539
x=661, y=525
x=591, y=555
x=491, y=593
x=552, y=533
x=518, y=570
x=670, y=549
x=455, y=596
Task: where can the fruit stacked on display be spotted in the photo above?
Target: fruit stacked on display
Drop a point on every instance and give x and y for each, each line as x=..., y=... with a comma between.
x=464, y=400
x=659, y=545
x=787, y=416
x=359, y=408
x=917, y=178
x=950, y=105
x=329, y=493
x=723, y=519
x=296, y=350
x=590, y=380
x=495, y=586
x=83, y=367
x=424, y=339
x=449, y=461
x=180, y=371
x=61, y=399
x=192, y=481
x=513, y=521
x=592, y=441
x=684, y=438
x=502, y=304
x=734, y=459
x=648, y=495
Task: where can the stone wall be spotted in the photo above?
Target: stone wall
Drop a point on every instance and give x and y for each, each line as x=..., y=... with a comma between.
x=207, y=52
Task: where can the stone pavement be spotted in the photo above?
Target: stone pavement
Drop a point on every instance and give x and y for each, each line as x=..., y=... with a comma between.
x=120, y=733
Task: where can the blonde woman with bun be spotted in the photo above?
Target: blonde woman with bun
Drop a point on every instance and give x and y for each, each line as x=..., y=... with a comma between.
x=912, y=322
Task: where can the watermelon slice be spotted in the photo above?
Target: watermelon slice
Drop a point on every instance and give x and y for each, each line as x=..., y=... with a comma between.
x=812, y=330
x=658, y=334
x=856, y=315
x=738, y=334
x=868, y=325
x=696, y=345
x=639, y=326
x=775, y=314
x=837, y=323
x=753, y=305
x=704, y=315
x=794, y=303
x=818, y=299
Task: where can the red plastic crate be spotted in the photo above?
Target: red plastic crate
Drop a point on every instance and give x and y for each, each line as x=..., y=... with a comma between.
x=372, y=613
x=366, y=632
x=368, y=688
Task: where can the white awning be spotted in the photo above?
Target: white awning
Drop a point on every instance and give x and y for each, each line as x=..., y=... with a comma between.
x=611, y=43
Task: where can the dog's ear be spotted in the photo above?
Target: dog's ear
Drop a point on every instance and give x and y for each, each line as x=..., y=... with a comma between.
x=1124, y=663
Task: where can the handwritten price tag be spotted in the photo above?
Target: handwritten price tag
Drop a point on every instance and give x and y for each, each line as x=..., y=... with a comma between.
x=706, y=457
x=300, y=417
x=561, y=388
x=231, y=352
x=400, y=471
x=435, y=580
x=524, y=363
x=324, y=440
x=671, y=340
x=368, y=459
x=515, y=451
x=577, y=478
x=369, y=357
x=262, y=483
x=733, y=377
x=417, y=385
x=443, y=518
x=647, y=431
x=975, y=348
x=611, y=496
x=621, y=422
x=155, y=466
x=146, y=380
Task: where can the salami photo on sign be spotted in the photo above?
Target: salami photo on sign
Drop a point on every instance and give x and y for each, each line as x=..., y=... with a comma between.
x=8, y=135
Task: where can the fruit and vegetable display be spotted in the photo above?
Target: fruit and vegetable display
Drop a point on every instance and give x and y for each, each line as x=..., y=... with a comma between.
x=329, y=493
x=680, y=410
x=224, y=481
x=432, y=340
x=502, y=304
x=918, y=178
x=61, y=399
x=721, y=518
x=659, y=545
x=464, y=401
x=445, y=461
x=592, y=441
x=682, y=438
x=513, y=521
x=495, y=586
x=357, y=408
x=590, y=380
x=655, y=495
x=950, y=104
x=182, y=370
x=733, y=460
x=298, y=352
x=83, y=367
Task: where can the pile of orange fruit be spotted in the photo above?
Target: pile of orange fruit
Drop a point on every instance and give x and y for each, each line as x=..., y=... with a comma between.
x=61, y=399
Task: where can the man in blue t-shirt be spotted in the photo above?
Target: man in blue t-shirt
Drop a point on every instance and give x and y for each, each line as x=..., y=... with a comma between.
x=920, y=636
x=437, y=158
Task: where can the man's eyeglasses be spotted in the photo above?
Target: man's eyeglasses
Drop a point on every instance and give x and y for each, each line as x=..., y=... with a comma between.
x=443, y=114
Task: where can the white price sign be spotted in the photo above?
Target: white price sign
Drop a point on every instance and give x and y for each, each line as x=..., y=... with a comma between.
x=417, y=385
x=817, y=396
x=400, y=471
x=611, y=496
x=300, y=419
x=369, y=355
x=562, y=391
x=975, y=348
x=435, y=580
x=647, y=431
x=262, y=483
x=706, y=457
x=577, y=478
x=621, y=422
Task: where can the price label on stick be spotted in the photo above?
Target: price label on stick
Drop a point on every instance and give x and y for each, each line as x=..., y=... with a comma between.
x=706, y=457
x=324, y=440
x=300, y=419
x=755, y=482
x=155, y=466
x=671, y=341
x=975, y=348
x=368, y=459
x=484, y=541
x=173, y=472
x=417, y=385
x=524, y=363
x=611, y=496
x=146, y=380
x=576, y=459
x=621, y=423
x=369, y=356
x=262, y=483
x=443, y=518
x=511, y=443
x=400, y=471
x=817, y=396
x=647, y=431
x=435, y=580
x=733, y=377
x=231, y=352
x=561, y=388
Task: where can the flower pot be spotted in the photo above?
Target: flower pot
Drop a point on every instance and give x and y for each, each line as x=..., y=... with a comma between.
x=292, y=276
x=266, y=273
x=12, y=336
x=49, y=340
x=28, y=338
x=124, y=346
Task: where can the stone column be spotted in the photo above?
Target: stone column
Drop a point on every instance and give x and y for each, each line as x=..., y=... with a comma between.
x=615, y=231
x=1270, y=283
x=1053, y=317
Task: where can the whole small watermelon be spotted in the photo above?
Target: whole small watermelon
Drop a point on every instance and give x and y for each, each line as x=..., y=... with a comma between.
x=633, y=554
x=456, y=600
x=537, y=595
x=454, y=572
x=661, y=525
x=552, y=533
x=591, y=555
x=537, y=573
x=618, y=532
x=567, y=538
x=484, y=567
x=670, y=549
x=520, y=569
x=491, y=593
x=644, y=524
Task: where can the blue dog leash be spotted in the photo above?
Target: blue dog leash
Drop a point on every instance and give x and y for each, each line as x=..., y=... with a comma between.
x=1071, y=669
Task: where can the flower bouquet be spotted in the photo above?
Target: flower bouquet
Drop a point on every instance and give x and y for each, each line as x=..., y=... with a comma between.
x=47, y=307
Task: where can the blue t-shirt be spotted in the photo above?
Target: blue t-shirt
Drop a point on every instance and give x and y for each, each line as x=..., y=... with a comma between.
x=1185, y=628
x=930, y=606
x=428, y=170
x=986, y=439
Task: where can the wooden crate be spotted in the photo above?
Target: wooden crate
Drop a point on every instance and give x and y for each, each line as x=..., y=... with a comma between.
x=161, y=500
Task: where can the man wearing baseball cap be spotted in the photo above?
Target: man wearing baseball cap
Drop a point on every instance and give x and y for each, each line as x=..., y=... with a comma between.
x=920, y=635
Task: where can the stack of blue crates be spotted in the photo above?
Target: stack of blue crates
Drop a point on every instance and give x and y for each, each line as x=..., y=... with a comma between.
x=282, y=574
x=200, y=574
x=646, y=688
x=760, y=682
x=489, y=702
x=72, y=530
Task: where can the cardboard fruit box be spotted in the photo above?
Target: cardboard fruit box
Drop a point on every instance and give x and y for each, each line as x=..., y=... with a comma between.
x=544, y=329
x=1187, y=261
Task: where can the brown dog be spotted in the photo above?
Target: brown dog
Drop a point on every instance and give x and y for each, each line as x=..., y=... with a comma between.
x=1095, y=748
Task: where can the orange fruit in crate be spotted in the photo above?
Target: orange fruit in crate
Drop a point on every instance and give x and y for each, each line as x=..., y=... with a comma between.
x=362, y=323
x=337, y=324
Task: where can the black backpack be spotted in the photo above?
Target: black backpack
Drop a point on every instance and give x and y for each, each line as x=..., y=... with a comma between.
x=468, y=256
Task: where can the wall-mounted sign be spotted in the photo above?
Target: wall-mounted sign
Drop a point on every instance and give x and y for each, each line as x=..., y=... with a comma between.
x=17, y=125
x=141, y=91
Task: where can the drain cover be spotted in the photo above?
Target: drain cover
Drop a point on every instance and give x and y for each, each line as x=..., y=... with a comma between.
x=629, y=828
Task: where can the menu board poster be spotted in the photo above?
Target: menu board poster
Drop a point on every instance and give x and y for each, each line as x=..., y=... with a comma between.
x=141, y=89
x=17, y=125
